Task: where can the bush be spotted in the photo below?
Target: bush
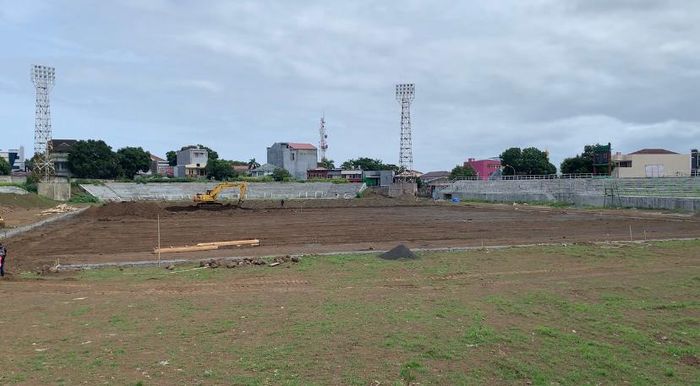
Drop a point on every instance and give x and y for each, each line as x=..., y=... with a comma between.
x=83, y=198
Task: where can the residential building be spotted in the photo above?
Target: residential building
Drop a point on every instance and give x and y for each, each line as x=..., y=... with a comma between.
x=434, y=180
x=323, y=173
x=437, y=175
x=378, y=177
x=14, y=157
x=241, y=169
x=318, y=173
x=161, y=167
x=651, y=163
x=60, y=149
x=352, y=175
x=485, y=168
x=263, y=170
x=296, y=158
x=192, y=162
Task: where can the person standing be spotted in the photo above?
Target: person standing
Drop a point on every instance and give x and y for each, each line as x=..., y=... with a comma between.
x=3, y=254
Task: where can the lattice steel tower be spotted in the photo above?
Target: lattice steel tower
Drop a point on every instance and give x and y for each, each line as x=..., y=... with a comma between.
x=404, y=95
x=43, y=78
x=323, y=143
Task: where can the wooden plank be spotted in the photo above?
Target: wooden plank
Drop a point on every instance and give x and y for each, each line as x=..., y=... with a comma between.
x=236, y=243
x=194, y=248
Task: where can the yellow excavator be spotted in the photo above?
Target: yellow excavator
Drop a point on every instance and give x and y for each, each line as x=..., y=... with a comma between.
x=209, y=198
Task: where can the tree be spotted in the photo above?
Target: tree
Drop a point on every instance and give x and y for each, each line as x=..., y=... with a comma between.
x=133, y=160
x=528, y=161
x=365, y=163
x=462, y=172
x=510, y=160
x=5, y=167
x=327, y=163
x=220, y=169
x=281, y=175
x=581, y=163
x=93, y=159
x=253, y=164
x=172, y=157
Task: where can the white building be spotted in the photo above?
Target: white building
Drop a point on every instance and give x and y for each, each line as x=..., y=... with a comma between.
x=651, y=163
x=192, y=162
x=14, y=157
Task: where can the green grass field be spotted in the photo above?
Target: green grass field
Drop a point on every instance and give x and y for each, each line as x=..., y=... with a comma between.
x=573, y=315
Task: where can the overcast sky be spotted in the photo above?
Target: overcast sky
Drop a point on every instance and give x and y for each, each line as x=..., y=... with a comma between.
x=240, y=75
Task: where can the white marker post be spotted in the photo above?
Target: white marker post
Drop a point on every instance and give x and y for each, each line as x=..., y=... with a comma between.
x=159, y=240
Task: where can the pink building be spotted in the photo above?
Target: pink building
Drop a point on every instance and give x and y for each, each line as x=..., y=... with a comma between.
x=484, y=168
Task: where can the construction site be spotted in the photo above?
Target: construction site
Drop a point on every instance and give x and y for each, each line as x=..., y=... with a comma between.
x=473, y=287
x=195, y=279
x=121, y=232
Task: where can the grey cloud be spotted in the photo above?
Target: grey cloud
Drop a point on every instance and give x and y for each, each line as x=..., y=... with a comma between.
x=489, y=75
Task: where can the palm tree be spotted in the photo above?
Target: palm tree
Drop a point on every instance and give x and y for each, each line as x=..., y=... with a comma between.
x=253, y=164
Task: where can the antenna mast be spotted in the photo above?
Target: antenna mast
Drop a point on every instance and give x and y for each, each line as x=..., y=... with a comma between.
x=404, y=95
x=44, y=78
x=323, y=143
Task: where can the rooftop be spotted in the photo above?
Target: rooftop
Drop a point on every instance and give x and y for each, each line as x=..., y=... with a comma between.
x=62, y=145
x=301, y=146
x=654, y=151
x=433, y=175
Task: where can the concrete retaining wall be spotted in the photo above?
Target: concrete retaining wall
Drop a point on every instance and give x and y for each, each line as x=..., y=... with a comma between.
x=58, y=191
x=12, y=190
x=652, y=193
x=398, y=189
x=117, y=191
x=13, y=179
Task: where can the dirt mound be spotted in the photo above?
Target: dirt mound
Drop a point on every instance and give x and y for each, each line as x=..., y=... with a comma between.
x=121, y=209
x=398, y=252
x=194, y=208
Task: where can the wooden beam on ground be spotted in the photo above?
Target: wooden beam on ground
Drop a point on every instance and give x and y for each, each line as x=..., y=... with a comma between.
x=194, y=248
x=236, y=243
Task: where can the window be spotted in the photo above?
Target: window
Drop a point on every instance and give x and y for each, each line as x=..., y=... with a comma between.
x=292, y=156
x=625, y=164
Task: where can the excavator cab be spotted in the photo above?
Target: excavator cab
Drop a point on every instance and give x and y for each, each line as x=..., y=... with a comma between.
x=209, y=198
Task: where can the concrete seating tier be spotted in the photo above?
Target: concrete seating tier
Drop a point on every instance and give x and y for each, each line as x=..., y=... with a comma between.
x=123, y=191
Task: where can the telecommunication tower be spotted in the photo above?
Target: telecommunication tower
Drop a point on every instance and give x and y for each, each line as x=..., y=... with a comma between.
x=43, y=78
x=323, y=143
x=404, y=95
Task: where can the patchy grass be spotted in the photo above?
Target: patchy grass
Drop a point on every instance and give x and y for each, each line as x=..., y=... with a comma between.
x=579, y=314
x=27, y=201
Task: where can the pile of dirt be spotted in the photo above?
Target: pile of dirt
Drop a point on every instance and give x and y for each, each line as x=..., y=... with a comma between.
x=398, y=252
x=120, y=209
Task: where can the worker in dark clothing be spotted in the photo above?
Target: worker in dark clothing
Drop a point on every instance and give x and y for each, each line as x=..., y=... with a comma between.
x=3, y=254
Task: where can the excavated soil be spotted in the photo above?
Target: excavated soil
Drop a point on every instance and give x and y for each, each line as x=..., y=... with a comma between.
x=128, y=231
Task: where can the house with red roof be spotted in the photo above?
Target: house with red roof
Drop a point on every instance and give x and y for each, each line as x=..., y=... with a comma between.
x=296, y=158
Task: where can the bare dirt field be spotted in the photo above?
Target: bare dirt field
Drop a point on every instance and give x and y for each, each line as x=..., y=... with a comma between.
x=565, y=315
x=18, y=210
x=128, y=231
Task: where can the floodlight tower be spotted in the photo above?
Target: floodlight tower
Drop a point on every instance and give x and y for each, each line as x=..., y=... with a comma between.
x=404, y=95
x=323, y=143
x=43, y=78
